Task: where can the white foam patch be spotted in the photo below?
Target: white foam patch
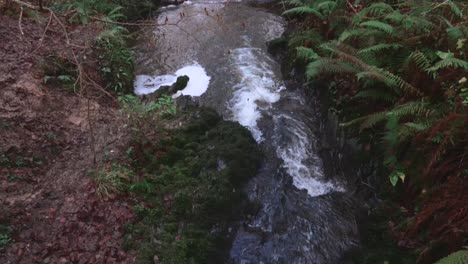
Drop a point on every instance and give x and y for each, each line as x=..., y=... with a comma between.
x=303, y=164
x=197, y=85
x=257, y=89
x=198, y=80
x=145, y=84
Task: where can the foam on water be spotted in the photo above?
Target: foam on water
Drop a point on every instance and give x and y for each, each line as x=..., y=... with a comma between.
x=256, y=90
x=198, y=82
x=197, y=85
x=300, y=161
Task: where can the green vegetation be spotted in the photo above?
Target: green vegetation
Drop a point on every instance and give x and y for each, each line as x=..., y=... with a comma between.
x=186, y=182
x=396, y=72
x=458, y=257
x=110, y=48
x=18, y=159
x=5, y=236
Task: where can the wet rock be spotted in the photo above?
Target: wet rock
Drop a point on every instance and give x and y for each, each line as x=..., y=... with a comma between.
x=180, y=84
x=186, y=102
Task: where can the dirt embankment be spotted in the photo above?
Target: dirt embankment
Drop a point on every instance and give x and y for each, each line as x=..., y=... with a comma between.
x=46, y=197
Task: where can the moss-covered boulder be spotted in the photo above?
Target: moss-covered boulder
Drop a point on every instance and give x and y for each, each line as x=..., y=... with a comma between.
x=192, y=189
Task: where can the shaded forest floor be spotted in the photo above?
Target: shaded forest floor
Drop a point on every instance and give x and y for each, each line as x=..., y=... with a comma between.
x=48, y=207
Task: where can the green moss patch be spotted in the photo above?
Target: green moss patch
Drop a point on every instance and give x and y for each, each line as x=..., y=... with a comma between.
x=191, y=189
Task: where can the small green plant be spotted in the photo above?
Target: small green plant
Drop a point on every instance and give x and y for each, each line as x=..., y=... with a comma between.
x=5, y=240
x=112, y=180
x=5, y=236
x=59, y=71
x=116, y=61
x=459, y=257
x=143, y=117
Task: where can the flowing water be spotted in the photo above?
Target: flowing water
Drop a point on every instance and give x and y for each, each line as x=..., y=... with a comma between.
x=304, y=216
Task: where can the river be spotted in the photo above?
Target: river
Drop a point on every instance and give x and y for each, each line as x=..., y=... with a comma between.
x=305, y=216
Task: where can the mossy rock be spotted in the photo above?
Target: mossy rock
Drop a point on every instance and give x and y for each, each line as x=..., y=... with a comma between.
x=196, y=185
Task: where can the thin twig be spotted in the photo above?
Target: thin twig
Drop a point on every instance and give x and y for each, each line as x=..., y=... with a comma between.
x=43, y=34
x=19, y=23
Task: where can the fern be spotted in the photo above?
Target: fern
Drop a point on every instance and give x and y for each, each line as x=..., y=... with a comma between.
x=387, y=28
x=294, y=2
x=459, y=257
x=419, y=59
x=417, y=24
x=390, y=79
x=327, y=7
x=303, y=10
x=376, y=94
x=374, y=10
x=310, y=36
x=379, y=47
x=395, y=17
x=453, y=62
x=358, y=33
x=306, y=54
x=324, y=65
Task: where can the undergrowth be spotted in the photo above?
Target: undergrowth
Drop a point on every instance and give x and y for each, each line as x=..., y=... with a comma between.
x=111, y=60
x=186, y=182
x=397, y=74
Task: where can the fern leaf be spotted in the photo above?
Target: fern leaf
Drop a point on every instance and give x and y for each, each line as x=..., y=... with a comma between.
x=359, y=33
x=327, y=6
x=325, y=65
x=419, y=59
x=387, y=28
x=379, y=47
x=374, y=10
x=454, y=63
x=294, y=2
x=395, y=17
x=367, y=121
x=390, y=79
x=304, y=53
x=376, y=94
x=459, y=257
x=303, y=10
x=414, y=108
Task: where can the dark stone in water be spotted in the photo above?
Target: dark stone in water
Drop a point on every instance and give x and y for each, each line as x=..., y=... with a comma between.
x=180, y=84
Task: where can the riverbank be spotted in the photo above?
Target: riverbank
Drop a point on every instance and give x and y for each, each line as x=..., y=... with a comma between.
x=326, y=53
x=166, y=188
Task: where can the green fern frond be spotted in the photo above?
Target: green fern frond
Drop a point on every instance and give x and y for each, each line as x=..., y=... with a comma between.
x=379, y=47
x=414, y=108
x=454, y=63
x=374, y=10
x=408, y=109
x=310, y=36
x=345, y=53
x=327, y=7
x=456, y=33
x=367, y=121
x=390, y=79
x=417, y=24
x=459, y=257
x=419, y=59
x=376, y=94
x=395, y=17
x=294, y=2
x=306, y=54
x=303, y=10
x=387, y=28
x=359, y=33
x=326, y=65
